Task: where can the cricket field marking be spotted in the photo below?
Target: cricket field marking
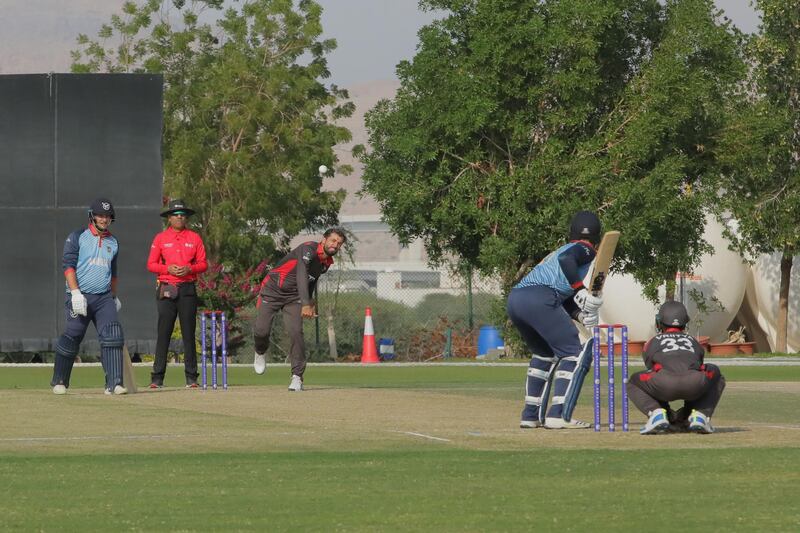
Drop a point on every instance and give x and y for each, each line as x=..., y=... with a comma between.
x=101, y=437
x=424, y=436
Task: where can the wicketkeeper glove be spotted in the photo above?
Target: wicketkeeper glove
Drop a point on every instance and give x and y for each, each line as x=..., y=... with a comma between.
x=78, y=302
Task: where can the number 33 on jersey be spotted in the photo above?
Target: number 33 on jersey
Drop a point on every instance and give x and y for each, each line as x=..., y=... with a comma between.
x=674, y=351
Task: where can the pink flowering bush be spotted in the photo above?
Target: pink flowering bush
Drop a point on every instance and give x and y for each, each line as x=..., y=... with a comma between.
x=230, y=292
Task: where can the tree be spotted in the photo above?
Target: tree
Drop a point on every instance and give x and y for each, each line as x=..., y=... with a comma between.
x=246, y=120
x=761, y=155
x=654, y=162
x=514, y=115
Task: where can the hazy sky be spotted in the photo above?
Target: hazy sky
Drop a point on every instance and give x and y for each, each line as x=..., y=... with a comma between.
x=373, y=35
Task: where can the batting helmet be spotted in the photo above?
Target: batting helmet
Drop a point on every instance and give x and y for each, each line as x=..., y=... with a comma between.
x=585, y=226
x=101, y=206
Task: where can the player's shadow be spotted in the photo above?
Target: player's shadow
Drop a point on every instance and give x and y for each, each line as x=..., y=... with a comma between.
x=717, y=429
x=730, y=429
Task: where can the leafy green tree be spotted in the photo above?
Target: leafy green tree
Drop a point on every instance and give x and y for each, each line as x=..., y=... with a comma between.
x=515, y=114
x=654, y=161
x=246, y=120
x=761, y=149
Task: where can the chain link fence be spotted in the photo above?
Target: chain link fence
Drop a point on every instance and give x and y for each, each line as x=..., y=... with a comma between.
x=418, y=315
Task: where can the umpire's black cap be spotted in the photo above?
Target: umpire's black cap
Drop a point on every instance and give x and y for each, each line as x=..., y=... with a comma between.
x=177, y=206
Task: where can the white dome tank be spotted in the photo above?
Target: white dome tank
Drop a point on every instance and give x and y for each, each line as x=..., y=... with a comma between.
x=722, y=275
x=763, y=291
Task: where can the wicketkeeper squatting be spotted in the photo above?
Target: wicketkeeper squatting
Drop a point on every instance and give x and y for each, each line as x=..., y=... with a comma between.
x=676, y=371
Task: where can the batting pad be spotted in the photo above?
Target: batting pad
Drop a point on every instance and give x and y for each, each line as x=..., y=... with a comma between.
x=570, y=374
x=66, y=350
x=111, y=341
x=537, y=387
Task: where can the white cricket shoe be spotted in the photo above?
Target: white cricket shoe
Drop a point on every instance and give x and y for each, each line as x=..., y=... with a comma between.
x=551, y=422
x=296, y=384
x=700, y=423
x=529, y=424
x=119, y=389
x=657, y=423
x=260, y=363
x=59, y=389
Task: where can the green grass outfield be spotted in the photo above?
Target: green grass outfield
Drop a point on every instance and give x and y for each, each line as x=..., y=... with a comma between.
x=384, y=448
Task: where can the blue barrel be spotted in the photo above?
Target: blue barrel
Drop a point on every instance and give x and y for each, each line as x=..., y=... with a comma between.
x=488, y=339
x=386, y=349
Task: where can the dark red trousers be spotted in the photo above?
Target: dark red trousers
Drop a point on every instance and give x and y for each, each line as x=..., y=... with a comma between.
x=699, y=389
x=292, y=322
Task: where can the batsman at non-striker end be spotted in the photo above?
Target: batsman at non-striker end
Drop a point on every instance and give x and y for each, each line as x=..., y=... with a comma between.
x=90, y=270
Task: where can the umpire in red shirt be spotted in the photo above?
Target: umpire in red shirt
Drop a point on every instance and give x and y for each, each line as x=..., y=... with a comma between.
x=289, y=287
x=177, y=256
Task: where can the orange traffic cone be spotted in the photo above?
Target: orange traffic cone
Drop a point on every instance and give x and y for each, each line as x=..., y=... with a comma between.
x=369, y=354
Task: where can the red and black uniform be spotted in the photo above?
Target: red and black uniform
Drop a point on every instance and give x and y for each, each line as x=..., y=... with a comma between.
x=288, y=287
x=181, y=248
x=676, y=371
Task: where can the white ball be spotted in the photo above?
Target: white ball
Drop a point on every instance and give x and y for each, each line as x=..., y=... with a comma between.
x=323, y=169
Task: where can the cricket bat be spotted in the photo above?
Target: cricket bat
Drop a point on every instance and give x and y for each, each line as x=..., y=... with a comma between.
x=599, y=272
x=128, y=378
x=602, y=262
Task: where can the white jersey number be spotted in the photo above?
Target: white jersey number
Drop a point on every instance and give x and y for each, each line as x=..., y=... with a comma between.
x=670, y=345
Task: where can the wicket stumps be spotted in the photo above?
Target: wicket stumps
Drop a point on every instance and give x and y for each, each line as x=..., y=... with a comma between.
x=610, y=357
x=204, y=331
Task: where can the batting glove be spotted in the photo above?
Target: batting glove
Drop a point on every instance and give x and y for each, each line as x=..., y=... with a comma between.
x=587, y=302
x=117, y=303
x=589, y=319
x=78, y=302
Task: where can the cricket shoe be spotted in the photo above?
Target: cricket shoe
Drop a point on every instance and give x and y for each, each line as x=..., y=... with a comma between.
x=657, y=423
x=529, y=424
x=118, y=391
x=297, y=384
x=679, y=420
x=700, y=423
x=59, y=389
x=260, y=363
x=552, y=422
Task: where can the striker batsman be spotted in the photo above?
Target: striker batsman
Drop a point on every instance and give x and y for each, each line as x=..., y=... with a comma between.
x=542, y=307
x=90, y=269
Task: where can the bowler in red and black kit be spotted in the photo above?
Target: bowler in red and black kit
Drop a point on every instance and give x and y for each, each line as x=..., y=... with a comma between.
x=289, y=287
